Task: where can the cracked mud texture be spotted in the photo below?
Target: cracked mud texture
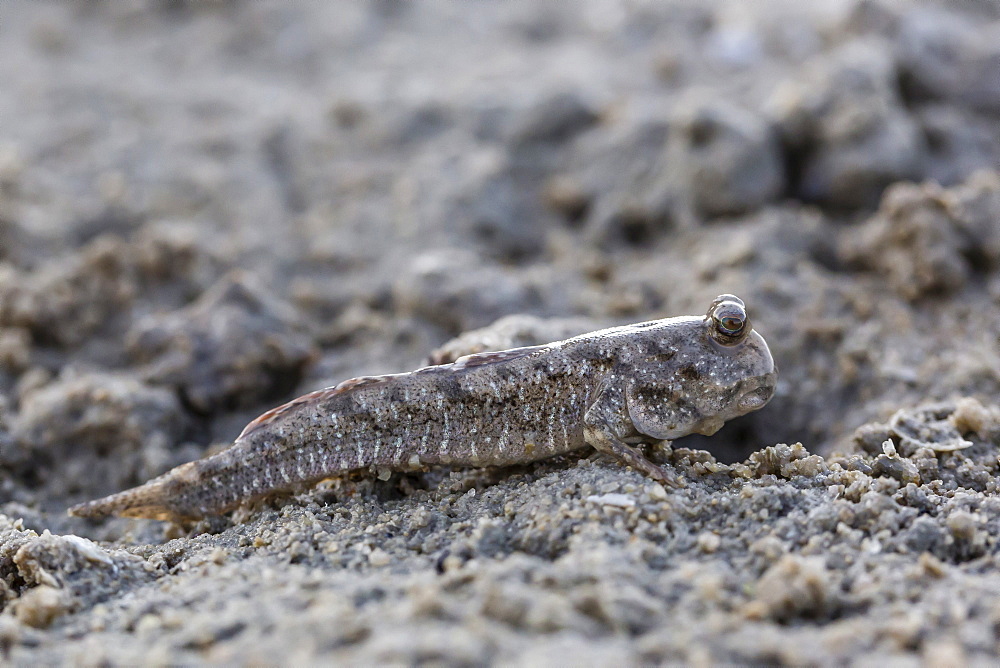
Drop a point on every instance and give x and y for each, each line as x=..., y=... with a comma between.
x=207, y=209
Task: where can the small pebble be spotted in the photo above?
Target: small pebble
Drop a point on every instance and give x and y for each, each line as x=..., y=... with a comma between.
x=618, y=500
x=889, y=448
x=708, y=542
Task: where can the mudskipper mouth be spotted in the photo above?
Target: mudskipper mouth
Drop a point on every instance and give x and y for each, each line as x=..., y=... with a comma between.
x=757, y=398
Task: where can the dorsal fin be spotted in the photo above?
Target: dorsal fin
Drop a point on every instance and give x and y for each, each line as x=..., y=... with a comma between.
x=464, y=362
x=360, y=381
x=492, y=357
x=272, y=415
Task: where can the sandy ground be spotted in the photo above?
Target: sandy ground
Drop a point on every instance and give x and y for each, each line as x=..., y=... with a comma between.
x=209, y=208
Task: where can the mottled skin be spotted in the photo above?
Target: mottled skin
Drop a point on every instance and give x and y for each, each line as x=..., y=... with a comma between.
x=611, y=389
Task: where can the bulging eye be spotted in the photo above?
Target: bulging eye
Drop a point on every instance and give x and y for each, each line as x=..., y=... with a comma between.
x=729, y=320
x=730, y=324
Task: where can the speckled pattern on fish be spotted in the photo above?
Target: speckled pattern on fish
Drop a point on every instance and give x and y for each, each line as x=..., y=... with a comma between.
x=612, y=390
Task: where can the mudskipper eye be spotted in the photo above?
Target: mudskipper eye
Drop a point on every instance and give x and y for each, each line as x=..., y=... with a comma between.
x=729, y=320
x=730, y=325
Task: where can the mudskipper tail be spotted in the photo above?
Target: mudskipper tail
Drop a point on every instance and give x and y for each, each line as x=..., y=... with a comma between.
x=155, y=499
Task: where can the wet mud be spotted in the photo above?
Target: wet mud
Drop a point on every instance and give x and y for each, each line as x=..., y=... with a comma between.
x=207, y=209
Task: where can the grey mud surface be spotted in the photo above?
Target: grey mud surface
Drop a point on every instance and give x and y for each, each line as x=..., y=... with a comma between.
x=209, y=208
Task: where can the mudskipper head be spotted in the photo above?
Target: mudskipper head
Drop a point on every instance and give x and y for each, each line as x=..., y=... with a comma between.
x=744, y=375
x=719, y=369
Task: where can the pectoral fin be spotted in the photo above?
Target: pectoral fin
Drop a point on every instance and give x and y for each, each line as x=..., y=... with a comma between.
x=607, y=425
x=658, y=412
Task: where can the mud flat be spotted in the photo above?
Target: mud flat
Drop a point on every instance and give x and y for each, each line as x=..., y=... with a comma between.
x=208, y=209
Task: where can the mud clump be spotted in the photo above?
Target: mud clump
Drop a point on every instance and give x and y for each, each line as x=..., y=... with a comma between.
x=732, y=158
x=233, y=347
x=64, y=302
x=453, y=288
x=928, y=241
x=98, y=432
x=847, y=128
x=45, y=577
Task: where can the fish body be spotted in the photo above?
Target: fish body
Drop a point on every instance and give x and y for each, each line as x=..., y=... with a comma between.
x=610, y=389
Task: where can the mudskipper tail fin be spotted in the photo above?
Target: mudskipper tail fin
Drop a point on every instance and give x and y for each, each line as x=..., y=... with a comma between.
x=155, y=500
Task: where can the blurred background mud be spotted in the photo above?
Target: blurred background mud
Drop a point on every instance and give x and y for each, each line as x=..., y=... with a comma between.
x=207, y=208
